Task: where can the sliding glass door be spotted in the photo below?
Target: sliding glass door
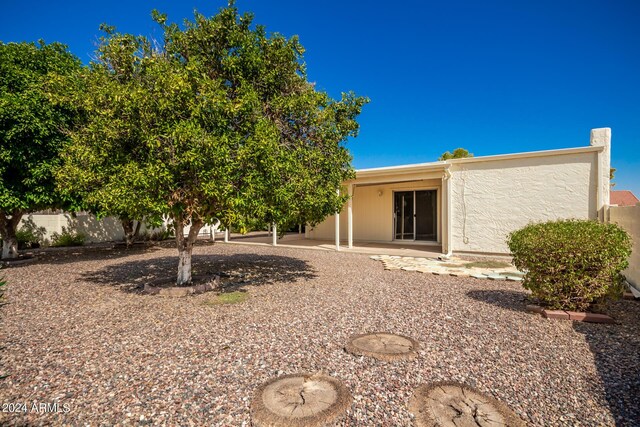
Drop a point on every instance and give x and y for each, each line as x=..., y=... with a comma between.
x=426, y=215
x=403, y=201
x=415, y=215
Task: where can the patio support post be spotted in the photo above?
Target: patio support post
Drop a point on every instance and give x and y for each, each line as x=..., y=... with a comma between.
x=274, y=235
x=337, y=227
x=350, y=217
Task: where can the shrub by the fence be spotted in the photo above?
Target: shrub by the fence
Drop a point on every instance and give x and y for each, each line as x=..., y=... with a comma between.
x=68, y=238
x=158, y=235
x=571, y=264
x=27, y=239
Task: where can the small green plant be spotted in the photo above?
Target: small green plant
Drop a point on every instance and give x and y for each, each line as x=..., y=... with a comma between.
x=30, y=235
x=156, y=235
x=160, y=235
x=26, y=239
x=229, y=298
x=68, y=238
x=571, y=264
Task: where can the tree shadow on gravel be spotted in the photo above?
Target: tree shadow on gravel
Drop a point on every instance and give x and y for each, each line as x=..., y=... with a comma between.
x=69, y=255
x=236, y=271
x=504, y=298
x=616, y=353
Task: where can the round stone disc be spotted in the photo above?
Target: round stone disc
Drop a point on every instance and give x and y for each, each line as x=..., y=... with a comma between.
x=456, y=405
x=383, y=346
x=298, y=400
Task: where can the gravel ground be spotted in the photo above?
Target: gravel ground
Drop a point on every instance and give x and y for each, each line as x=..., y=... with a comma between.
x=78, y=333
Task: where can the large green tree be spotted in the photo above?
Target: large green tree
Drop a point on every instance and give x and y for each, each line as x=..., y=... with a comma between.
x=31, y=132
x=217, y=120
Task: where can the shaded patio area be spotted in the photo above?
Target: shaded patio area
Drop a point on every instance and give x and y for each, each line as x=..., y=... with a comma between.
x=295, y=240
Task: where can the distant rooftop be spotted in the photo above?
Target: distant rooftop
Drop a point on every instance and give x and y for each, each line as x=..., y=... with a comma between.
x=623, y=198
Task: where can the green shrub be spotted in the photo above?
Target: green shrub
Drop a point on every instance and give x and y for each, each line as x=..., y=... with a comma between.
x=27, y=239
x=67, y=238
x=157, y=235
x=571, y=264
x=160, y=235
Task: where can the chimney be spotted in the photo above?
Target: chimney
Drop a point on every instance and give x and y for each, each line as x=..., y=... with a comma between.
x=601, y=137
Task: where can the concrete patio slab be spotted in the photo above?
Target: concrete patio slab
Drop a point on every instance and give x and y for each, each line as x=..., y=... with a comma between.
x=295, y=240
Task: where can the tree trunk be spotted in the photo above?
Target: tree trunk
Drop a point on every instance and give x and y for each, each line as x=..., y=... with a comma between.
x=9, y=247
x=8, y=228
x=185, y=249
x=130, y=232
x=136, y=233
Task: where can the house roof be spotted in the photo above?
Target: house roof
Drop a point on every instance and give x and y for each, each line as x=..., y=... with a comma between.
x=444, y=164
x=623, y=198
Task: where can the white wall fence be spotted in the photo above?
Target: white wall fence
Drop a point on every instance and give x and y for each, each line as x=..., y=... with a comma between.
x=45, y=225
x=108, y=229
x=628, y=217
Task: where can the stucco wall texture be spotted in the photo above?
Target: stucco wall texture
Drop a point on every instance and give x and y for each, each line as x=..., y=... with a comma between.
x=491, y=199
x=628, y=217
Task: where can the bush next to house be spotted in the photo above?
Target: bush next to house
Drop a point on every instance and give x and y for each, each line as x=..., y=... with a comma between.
x=571, y=264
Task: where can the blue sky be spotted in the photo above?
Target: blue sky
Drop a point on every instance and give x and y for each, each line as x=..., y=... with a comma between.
x=492, y=76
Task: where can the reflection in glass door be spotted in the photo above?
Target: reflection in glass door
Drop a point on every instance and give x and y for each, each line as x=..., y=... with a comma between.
x=426, y=215
x=403, y=213
x=415, y=215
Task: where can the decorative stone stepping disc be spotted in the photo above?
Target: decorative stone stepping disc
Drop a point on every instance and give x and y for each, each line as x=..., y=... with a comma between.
x=298, y=400
x=383, y=346
x=452, y=404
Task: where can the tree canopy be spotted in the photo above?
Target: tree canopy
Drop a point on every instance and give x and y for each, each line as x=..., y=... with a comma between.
x=458, y=153
x=612, y=172
x=217, y=120
x=31, y=131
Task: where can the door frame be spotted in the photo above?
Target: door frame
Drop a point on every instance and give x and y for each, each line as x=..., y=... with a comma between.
x=393, y=219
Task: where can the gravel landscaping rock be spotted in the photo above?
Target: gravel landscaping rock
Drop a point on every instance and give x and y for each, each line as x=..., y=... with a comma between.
x=79, y=332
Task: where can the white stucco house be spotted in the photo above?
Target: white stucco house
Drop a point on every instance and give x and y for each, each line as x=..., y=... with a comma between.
x=472, y=204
